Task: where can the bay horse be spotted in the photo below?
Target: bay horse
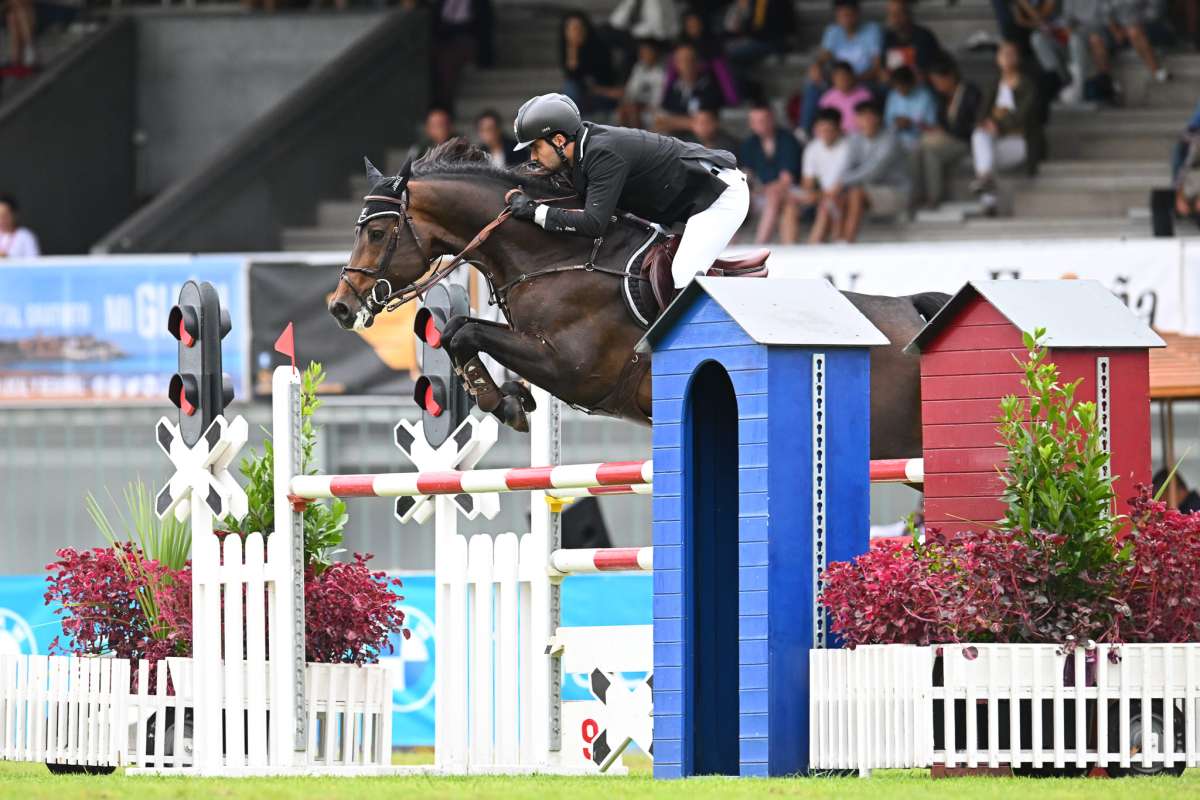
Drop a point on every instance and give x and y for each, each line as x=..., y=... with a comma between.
x=569, y=329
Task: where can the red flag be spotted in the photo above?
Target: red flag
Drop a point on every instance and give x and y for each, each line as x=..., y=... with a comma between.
x=286, y=344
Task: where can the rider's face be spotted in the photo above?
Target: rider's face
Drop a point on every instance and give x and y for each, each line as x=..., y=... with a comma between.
x=543, y=153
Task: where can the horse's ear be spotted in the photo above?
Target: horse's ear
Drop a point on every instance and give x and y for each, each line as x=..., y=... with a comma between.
x=374, y=176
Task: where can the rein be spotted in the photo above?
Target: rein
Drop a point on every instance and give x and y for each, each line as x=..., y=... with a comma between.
x=382, y=297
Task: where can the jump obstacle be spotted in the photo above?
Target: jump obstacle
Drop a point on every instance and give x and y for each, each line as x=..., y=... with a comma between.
x=774, y=372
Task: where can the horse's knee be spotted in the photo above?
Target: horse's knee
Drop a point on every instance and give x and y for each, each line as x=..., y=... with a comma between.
x=458, y=337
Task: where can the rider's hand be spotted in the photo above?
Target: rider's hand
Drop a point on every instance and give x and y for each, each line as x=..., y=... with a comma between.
x=523, y=206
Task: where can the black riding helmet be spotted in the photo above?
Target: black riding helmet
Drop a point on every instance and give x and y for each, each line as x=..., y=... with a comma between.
x=545, y=115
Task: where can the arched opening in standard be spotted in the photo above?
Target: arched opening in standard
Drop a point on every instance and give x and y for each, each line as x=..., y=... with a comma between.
x=710, y=507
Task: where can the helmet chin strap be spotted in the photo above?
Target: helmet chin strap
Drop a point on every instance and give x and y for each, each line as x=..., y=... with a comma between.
x=562, y=154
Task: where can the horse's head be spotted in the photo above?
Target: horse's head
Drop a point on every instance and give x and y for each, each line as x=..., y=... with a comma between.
x=388, y=256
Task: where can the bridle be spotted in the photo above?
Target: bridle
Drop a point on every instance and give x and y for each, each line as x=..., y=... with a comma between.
x=383, y=297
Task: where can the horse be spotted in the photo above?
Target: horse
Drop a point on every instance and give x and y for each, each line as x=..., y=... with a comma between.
x=569, y=329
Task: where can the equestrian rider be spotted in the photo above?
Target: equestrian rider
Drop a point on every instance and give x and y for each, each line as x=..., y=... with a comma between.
x=659, y=178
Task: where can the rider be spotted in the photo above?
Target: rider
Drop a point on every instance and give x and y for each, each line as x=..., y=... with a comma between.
x=658, y=178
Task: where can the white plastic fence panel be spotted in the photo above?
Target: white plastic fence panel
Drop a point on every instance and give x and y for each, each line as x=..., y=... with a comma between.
x=1001, y=705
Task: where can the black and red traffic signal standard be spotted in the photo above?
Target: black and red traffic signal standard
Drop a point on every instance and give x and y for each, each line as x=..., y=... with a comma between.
x=439, y=392
x=200, y=390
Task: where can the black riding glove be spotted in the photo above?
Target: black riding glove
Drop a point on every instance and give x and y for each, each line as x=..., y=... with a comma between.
x=523, y=206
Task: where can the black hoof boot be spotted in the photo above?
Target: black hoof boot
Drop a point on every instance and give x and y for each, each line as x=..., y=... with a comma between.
x=520, y=390
x=512, y=414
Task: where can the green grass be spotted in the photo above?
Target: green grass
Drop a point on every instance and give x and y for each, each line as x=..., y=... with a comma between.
x=29, y=781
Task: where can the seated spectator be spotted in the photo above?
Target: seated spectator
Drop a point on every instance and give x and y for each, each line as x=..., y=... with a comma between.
x=1181, y=146
x=848, y=39
x=20, y=16
x=1009, y=132
x=771, y=155
x=1127, y=23
x=645, y=87
x=439, y=128
x=635, y=21
x=15, y=241
x=589, y=77
x=910, y=110
x=845, y=94
x=1187, y=179
x=905, y=43
x=696, y=32
x=948, y=142
x=499, y=145
x=693, y=87
x=707, y=130
x=1061, y=45
x=463, y=30
x=821, y=171
x=877, y=176
x=755, y=29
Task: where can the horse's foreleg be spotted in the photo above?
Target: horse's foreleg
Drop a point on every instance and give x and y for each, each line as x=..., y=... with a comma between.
x=467, y=338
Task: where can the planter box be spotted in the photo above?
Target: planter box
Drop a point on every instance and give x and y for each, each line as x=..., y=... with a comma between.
x=80, y=712
x=1030, y=708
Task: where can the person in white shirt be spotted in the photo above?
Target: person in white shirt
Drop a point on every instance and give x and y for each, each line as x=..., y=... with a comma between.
x=821, y=170
x=15, y=242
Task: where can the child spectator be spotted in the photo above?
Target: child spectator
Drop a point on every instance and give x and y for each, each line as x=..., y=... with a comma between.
x=772, y=157
x=848, y=39
x=877, y=173
x=645, y=87
x=948, y=142
x=1009, y=133
x=821, y=173
x=905, y=43
x=910, y=109
x=692, y=88
x=589, y=77
x=845, y=94
x=15, y=241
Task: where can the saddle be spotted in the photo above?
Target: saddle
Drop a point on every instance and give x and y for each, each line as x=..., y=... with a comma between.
x=656, y=268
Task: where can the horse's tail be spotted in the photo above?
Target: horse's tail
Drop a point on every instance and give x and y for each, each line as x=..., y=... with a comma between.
x=929, y=303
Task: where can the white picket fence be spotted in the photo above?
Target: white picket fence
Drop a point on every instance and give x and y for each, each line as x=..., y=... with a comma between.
x=80, y=710
x=1031, y=706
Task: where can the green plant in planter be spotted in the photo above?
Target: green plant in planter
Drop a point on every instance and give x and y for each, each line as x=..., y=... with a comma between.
x=167, y=541
x=1056, y=479
x=323, y=524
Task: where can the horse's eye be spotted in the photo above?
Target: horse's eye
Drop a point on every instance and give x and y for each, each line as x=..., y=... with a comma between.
x=376, y=235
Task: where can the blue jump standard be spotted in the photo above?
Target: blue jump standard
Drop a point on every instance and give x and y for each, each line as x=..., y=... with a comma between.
x=761, y=477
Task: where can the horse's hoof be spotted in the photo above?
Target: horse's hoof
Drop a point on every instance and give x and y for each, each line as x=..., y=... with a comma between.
x=520, y=390
x=511, y=414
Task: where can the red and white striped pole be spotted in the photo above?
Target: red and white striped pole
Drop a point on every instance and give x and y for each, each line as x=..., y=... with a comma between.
x=595, y=491
x=898, y=470
x=608, y=559
x=411, y=484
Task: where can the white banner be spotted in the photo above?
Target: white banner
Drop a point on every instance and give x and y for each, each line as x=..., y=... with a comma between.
x=1149, y=275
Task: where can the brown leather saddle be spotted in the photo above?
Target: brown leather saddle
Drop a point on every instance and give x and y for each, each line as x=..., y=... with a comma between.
x=656, y=268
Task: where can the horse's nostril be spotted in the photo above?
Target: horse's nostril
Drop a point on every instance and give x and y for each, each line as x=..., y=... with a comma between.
x=341, y=311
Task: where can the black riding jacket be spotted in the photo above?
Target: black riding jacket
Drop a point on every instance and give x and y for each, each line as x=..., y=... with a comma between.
x=658, y=178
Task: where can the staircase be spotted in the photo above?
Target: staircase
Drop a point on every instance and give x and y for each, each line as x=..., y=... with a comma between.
x=1096, y=181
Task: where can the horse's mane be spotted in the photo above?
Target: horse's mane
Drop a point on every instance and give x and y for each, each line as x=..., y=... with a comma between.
x=458, y=158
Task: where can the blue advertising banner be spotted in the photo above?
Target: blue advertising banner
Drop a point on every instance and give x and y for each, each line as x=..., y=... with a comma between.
x=27, y=626
x=96, y=329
